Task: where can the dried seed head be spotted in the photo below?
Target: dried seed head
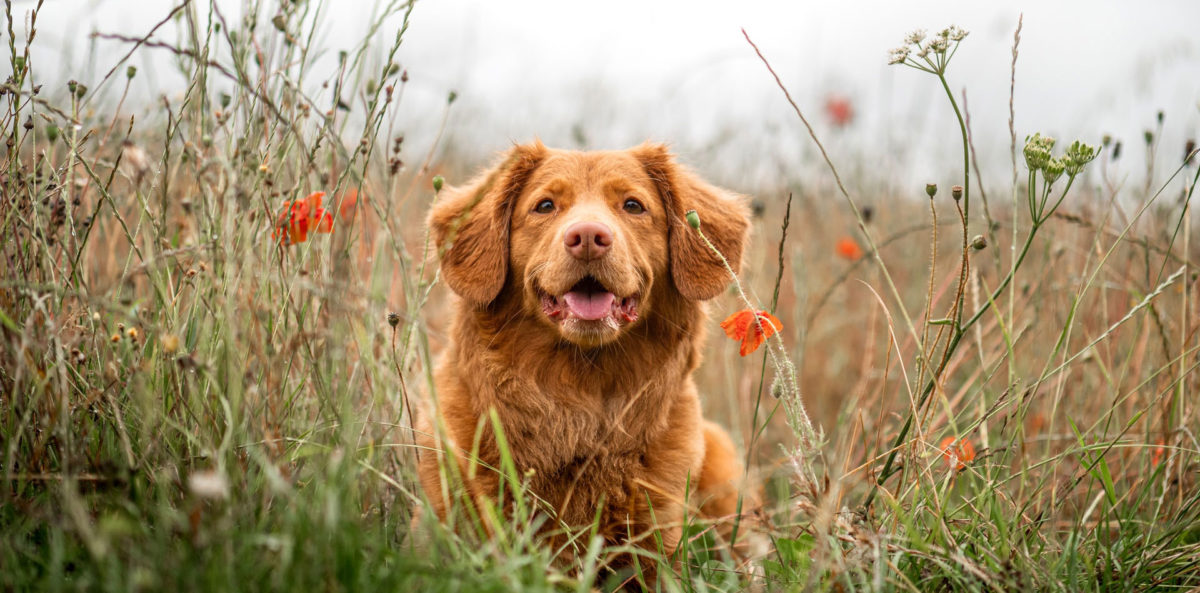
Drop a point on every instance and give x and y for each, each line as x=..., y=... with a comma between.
x=393, y=319
x=170, y=343
x=1189, y=150
x=979, y=242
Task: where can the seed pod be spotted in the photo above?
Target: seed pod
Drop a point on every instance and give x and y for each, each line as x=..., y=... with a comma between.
x=931, y=189
x=437, y=183
x=693, y=219
x=956, y=192
x=979, y=242
x=393, y=319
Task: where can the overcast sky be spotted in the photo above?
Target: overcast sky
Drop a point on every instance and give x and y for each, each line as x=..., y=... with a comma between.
x=613, y=73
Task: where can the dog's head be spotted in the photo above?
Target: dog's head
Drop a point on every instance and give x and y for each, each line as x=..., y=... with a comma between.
x=588, y=242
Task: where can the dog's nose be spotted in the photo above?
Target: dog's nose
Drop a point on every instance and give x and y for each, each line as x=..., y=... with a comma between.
x=587, y=241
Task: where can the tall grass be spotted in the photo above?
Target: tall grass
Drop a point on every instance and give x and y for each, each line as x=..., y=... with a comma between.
x=190, y=402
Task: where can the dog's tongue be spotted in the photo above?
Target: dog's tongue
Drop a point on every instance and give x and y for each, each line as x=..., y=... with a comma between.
x=590, y=306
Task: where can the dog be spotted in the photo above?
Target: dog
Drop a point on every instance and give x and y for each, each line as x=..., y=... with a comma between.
x=580, y=321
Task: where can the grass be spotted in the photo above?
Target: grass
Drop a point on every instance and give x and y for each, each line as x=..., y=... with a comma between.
x=188, y=404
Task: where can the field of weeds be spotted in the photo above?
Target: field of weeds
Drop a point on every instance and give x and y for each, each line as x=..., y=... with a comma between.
x=218, y=317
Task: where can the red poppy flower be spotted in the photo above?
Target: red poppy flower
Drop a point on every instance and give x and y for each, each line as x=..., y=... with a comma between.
x=300, y=217
x=751, y=328
x=957, y=452
x=840, y=110
x=848, y=248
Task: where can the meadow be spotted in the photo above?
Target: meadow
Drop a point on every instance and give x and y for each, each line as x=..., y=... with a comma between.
x=208, y=373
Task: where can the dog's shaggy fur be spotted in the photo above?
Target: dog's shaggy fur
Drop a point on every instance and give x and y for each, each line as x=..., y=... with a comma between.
x=585, y=356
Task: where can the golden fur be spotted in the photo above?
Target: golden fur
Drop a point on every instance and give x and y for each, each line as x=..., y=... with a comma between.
x=594, y=412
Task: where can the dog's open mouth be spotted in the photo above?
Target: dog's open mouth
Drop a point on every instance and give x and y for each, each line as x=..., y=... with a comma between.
x=589, y=300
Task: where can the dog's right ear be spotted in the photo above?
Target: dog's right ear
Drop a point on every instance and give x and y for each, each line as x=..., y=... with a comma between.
x=470, y=225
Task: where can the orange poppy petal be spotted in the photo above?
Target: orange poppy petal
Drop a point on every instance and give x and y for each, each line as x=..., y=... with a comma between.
x=737, y=324
x=957, y=452
x=313, y=200
x=324, y=220
x=745, y=326
x=751, y=342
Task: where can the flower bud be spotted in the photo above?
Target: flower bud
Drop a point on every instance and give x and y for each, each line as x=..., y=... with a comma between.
x=931, y=189
x=437, y=183
x=693, y=219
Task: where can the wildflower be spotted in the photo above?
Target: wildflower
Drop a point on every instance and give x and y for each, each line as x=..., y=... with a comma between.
x=300, y=217
x=751, y=328
x=847, y=248
x=954, y=33
x=915, y=38
x=1078, y=154
x=957, y=452
x=840, y=110
x=898, y=55
x=1037, y=151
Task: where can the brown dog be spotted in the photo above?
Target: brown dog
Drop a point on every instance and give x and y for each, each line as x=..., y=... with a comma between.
x=580, y=323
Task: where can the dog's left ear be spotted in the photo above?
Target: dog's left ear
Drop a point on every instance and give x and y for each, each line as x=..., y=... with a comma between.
x=697, y=272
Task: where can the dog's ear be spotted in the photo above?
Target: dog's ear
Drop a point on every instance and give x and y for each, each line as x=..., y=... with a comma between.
x=470, y=224
x=697, y=272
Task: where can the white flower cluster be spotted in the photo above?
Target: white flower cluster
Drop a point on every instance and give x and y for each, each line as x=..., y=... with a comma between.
x=916, y=42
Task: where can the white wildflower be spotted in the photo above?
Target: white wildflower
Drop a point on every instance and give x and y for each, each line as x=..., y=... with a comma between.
x=898, y=55
x=915, y=38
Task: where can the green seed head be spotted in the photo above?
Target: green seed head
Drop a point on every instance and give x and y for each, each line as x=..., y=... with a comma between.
x=1078, y=154
x=130, y=72
x=956, y=192
x=1054, y=169
x=693, y=219
x=437, y=183
x=931, y=189
x=1037, y=151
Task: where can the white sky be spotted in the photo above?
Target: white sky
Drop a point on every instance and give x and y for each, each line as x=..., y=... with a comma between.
x=621, y=71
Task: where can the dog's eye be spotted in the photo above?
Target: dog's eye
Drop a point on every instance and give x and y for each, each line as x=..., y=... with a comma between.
x=544, y=207
x=633, y=206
